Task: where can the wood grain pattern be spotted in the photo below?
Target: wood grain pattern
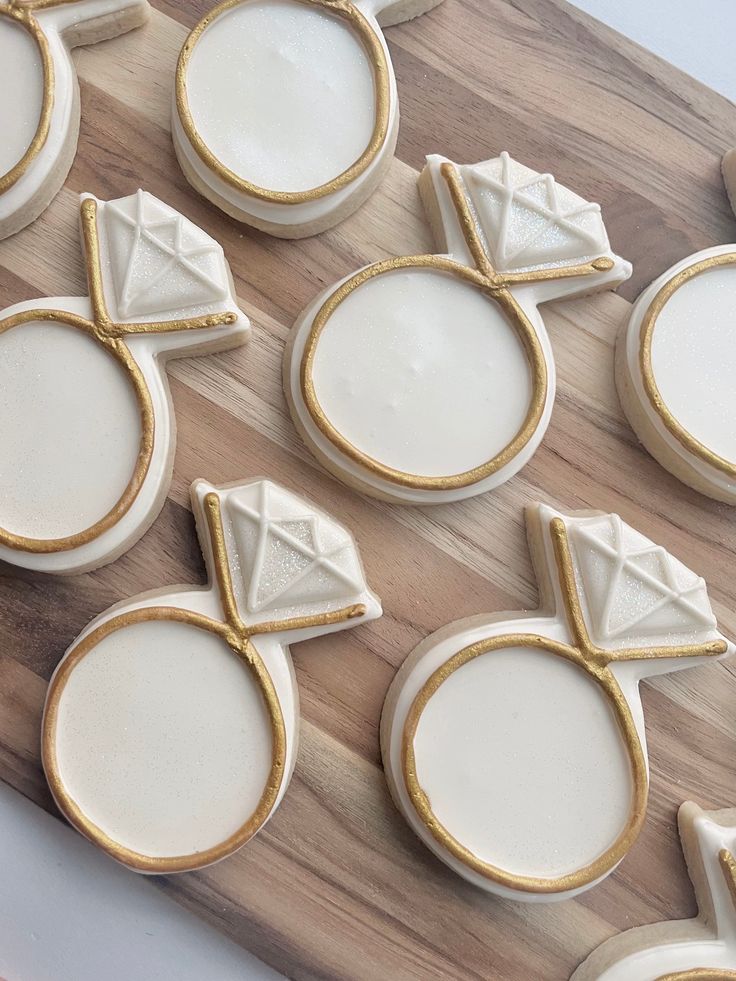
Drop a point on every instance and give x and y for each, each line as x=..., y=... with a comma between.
x=336, y=886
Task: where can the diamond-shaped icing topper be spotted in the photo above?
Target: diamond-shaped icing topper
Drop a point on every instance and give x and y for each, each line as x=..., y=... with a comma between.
x=160, y=261
x=633, y=589
x=290, y=557
x=528, y=219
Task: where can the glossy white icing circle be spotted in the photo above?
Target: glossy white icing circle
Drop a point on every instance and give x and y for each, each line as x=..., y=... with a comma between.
x=69, y=430
x=422, y=372
x=548, y=802
x=164, y=738
x=694, y=357
x=21, y=72
x=282, y=93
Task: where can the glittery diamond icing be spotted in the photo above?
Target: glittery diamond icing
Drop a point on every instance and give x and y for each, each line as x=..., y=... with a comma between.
x=289, y=556
x=634, y=588
x=528, y=219
x=160, y=261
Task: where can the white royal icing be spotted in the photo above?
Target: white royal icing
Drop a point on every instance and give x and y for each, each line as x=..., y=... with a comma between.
x=421, y=370
x=283, y=94
x=162, y=738
x=21, y=72
x=706, y=942
x=70, y=421
x=693, y=357
x=518, y=750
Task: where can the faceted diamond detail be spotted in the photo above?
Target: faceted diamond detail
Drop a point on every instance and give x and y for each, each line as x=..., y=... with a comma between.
x=529, y=219
x=160, y=261
x=292, y=560
x=632, y=586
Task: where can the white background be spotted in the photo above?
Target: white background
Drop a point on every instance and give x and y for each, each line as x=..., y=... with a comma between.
x=67, y=912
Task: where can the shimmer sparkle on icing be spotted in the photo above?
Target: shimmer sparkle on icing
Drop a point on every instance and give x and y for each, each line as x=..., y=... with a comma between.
x=515, y=747
x=170, y=726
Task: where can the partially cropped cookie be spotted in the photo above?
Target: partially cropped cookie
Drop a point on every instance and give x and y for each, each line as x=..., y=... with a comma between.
x=675, y=365
x=701, y=949
x=39, y=94
x=286, y=111
x=86, y=418
x=171, y=724
x=426, y=379
x=514, y=744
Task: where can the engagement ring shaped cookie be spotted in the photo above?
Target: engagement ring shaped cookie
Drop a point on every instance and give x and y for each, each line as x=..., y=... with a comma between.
x=39, y=105
x=515, y=745
x=425, y=379
x=170, y=728
x=701, y=949
x=675, y=364
x=286, y=111
x=86, y=418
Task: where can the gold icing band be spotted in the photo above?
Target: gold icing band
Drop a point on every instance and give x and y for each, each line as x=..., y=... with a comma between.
x=111, y=336
x=359, y=24
x=496, y=287
x=648, y=324
x=701, y=974
x=595, y=662
x=22, y=14
x=237, y=635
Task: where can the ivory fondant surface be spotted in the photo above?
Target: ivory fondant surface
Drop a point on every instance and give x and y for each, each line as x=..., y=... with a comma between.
x=40, y=122
x=701, y=949
x=674, y=365
x=430, y=379
x=170, y=729
x=515, y=746
x=86, y=418
x=268, y=82
x=286, y=111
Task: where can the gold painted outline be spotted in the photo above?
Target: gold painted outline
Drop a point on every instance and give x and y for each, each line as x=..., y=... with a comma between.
x=496, y=286
x=595, y=662
x=237, y=635
x=112, y=337
x=22, y=14
x=701, y=974
x=360, y=26
x=648, y=325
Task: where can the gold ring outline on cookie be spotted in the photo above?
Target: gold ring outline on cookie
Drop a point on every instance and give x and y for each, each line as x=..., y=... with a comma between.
x=360, y=26
x=647, y=328
x=111, y=335
x=22, y=15
x=595, y=662
x=496, y=287
x=237, y=635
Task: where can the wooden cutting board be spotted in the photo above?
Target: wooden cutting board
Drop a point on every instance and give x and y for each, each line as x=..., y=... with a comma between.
x=336, y=886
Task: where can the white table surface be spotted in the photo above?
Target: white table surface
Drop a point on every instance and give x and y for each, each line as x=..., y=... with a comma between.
x=67, y=912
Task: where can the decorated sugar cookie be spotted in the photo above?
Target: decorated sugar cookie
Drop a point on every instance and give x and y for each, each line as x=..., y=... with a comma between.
x=86, y=421
x=675, y=363
x=170, y=727
x=514, y=745
x=425, y=379
x=286, y=111
x=39, y=94
x=701, y=949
